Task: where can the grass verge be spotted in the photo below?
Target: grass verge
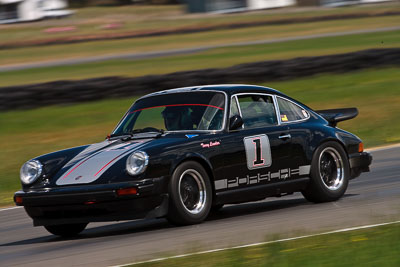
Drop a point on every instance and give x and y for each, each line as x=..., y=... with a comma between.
x=30, y=133
x=215, y=58
x=218, y=37
x=372, y=247
x=91, y=20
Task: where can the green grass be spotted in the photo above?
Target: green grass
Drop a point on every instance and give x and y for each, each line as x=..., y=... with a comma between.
x=33, y=132
x=218, y=37
x=30, y=133
x=216, y=58
x=371, y=247
x=152, y=17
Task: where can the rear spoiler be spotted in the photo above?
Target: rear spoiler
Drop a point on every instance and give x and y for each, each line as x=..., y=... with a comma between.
x=333, y=116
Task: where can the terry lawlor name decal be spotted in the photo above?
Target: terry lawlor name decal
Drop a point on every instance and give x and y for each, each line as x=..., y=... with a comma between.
x=208, y=145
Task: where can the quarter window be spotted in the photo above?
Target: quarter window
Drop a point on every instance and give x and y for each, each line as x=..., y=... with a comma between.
x=234, y=108
x=290, y=111
x=257, y=110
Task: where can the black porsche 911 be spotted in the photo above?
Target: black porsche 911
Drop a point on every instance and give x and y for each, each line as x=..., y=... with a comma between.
x=183, y=152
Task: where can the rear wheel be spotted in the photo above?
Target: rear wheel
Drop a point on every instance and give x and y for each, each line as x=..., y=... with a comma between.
x=66, y=230
x=330, y=173
x=190, y=194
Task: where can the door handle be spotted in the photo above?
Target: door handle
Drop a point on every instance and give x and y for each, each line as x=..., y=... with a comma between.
x=285, y=136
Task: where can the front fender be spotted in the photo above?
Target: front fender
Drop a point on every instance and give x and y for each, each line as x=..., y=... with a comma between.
x=192, y=156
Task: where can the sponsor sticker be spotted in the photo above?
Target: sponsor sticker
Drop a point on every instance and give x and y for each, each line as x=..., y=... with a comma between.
x=210, y=144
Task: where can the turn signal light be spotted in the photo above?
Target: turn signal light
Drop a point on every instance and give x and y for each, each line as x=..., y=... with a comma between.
x=18, y=200
x=127, y=191
x=360, y=147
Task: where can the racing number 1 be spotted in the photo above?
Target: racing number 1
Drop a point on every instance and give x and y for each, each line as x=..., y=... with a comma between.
x=259, y=160
x=258, y=151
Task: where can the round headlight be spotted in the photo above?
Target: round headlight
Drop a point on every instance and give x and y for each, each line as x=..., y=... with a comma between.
x=30, y=171
x=137, y=162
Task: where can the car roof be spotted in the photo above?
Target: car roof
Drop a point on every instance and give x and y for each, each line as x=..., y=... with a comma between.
x=229, y=89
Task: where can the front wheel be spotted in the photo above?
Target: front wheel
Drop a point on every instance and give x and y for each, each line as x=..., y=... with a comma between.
x=66, y=230
x=330, y=173
x=190, y=194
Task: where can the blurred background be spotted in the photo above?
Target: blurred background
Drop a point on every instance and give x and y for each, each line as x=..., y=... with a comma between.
x=70, y=69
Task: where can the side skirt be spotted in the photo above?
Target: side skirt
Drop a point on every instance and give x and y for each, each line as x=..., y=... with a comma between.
x=259, y=192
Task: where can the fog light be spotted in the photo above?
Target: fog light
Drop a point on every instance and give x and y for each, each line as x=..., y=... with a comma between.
x=127, y=191
x=18, y=200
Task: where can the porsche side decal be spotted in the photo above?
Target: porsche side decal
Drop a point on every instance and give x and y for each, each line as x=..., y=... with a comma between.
x=261, y=177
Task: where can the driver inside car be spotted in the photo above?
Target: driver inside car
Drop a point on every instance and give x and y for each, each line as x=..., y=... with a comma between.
x=177, y=118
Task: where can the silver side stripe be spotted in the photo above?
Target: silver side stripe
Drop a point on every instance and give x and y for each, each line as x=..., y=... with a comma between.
x=274, y=175
x=242, y=180
x=253, y=179
x=303, y=170
x=279, y=175
x=220, y=184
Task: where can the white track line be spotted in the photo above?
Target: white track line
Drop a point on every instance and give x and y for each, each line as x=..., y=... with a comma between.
x=261, y=243
x=11, y=208
x=379, y=148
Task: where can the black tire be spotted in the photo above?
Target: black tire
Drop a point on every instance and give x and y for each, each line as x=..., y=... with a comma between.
x=330, y=172
x=186, y=204
x=66, y=230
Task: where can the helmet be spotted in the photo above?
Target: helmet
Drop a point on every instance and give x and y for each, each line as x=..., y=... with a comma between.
x=177, y=118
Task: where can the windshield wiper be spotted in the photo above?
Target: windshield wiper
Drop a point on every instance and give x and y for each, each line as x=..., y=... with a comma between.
x=147, y=130
x=137, y=131
x=117, y=135
x=143, y=133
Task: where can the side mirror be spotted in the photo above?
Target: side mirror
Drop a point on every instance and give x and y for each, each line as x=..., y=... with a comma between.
x=235, y=122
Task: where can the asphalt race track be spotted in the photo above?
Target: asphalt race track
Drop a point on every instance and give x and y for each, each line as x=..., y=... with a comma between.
x=372, y=198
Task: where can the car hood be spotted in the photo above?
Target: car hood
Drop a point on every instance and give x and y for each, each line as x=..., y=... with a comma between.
x=89, y=165
x=105, y=160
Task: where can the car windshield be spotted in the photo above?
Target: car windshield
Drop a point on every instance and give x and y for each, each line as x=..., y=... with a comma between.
x=188, y=111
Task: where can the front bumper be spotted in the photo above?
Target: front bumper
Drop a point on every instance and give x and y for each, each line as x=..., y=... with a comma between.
x=359, y=162
x=94, y=203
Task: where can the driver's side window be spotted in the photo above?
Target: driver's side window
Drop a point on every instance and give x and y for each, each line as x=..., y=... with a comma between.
x=257, y=110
